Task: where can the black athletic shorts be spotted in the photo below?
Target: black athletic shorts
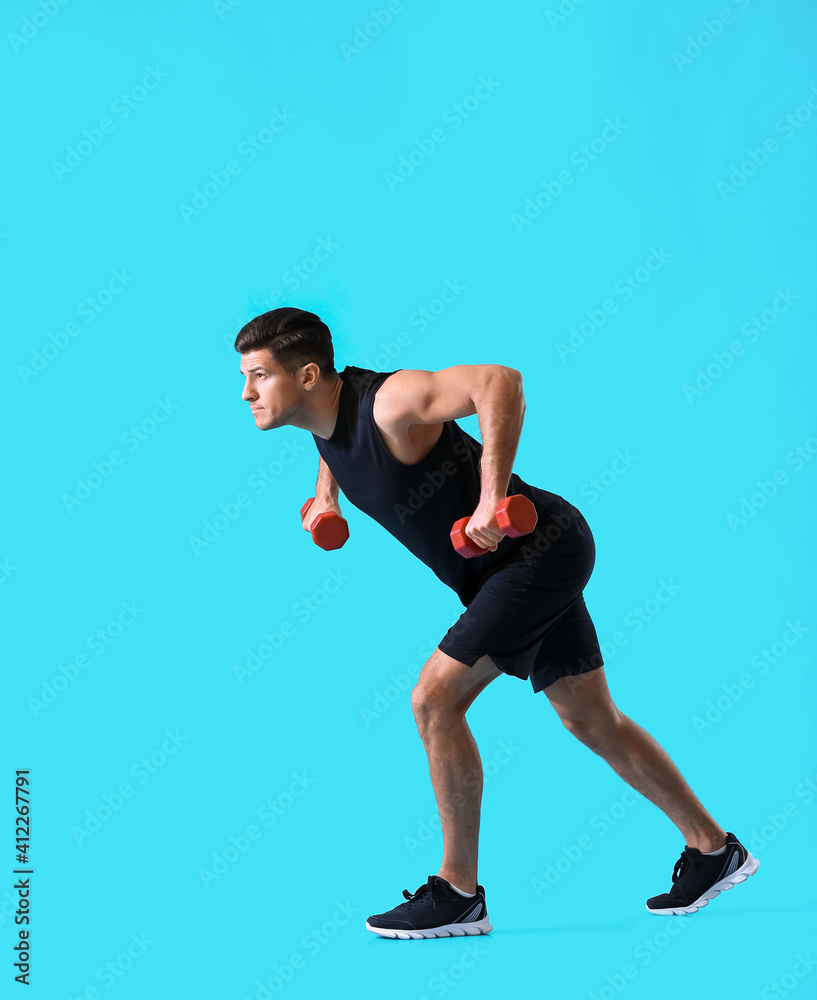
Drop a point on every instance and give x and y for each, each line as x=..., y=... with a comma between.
x=529, y=614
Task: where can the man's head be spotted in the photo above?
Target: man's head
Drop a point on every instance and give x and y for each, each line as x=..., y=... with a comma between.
x=286, y=354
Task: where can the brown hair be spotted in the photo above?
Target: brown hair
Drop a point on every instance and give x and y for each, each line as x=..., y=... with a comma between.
x=293, y=337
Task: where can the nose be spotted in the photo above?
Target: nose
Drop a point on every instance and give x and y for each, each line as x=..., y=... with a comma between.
x=248, y=395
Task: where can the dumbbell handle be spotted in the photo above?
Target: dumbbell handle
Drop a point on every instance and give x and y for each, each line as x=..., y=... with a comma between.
x=515, y=516
x=328, y=529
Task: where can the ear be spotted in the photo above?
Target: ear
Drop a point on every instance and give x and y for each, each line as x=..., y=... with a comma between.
x=309, y=375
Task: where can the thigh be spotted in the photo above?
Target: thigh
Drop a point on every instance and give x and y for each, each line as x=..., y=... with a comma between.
x=453, y=683
x=570, y=648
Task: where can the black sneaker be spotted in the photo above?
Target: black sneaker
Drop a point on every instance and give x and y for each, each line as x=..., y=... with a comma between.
x=434, y=911
x=697, y=877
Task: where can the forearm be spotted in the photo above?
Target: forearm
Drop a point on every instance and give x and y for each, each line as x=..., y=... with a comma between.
x=500, y=405
x=326, y=488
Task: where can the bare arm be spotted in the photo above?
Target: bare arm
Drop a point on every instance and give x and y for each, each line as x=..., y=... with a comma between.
x=326, y=488
x=493, y=392
x=500, y=406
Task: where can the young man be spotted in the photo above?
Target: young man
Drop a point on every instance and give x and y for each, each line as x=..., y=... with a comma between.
x=390, y=441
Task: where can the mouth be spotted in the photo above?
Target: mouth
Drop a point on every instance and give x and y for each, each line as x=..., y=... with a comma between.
x=255, y=409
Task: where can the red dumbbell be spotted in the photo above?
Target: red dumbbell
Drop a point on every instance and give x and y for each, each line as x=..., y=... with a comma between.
x=516, y=516
x=329, y=530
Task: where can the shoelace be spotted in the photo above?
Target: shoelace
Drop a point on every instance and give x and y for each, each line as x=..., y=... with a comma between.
x=685, y=861
x=429, y=887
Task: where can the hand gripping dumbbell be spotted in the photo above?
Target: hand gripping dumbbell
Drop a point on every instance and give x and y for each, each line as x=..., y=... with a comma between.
x=329, y=530
x=516, y=516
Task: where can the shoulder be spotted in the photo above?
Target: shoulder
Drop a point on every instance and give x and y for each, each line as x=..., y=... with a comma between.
x=390, y=399
x=397, y=417
x=417, y=396
x=395, y=398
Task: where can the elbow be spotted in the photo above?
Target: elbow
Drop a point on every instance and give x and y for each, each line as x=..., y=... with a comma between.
x=503, y=371
x=505, y=381
x=513, y=378
x=520, y=389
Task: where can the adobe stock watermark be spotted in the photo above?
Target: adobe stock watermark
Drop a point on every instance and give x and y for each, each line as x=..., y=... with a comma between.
x=31, y=26
x=268, y=814
x=723, y=360
x=272, y=301
x=427, y=829
x=548, y=530
x=769, y=656
x=597, y=486
x=302, y=610
x=111, y=972
x=131, y=440
x=98, y=642
x=711, y=29
x=455, y=115
x=296, y=274
x=88, y=310
x=420, y=320
x=122, y=107
x=787, y=126
x=141, y=772
x=222, y=7
x=8, y=907
x=381, y=701
x=221, y=178
x=431, y=483
x=364, y=34
x=566, y=9
x=311, y=943
x=258, y=481
x=444, y=980
x=6, y=569
x=759, y=839
x=797, y=458
x=600, y=824
x=293, y=277
x=644, y=954
x=625, y=288
x=636, y=620
x=580, y=158
x=791, y=978
x=299, y=272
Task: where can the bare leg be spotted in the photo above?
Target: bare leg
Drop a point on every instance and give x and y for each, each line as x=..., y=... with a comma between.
x=585, y=707
x=445, y=689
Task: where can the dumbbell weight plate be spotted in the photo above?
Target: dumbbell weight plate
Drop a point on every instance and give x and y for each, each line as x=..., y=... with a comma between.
x=328, y=530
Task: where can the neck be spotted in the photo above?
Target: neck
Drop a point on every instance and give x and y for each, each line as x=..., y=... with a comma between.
x=323, y=415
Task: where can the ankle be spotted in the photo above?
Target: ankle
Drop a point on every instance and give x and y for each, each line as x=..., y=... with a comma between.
x=462, y=881
x=706, y=842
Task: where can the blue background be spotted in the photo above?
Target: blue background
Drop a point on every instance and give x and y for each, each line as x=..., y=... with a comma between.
x=331, y=704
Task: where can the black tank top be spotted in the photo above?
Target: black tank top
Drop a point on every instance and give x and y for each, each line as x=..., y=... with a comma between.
x=419, y=503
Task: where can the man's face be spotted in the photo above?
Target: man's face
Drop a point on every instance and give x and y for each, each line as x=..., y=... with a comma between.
x=274, y=396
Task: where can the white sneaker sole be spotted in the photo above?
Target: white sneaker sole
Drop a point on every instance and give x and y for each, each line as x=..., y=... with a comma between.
x=446, y=930
x=749, y=867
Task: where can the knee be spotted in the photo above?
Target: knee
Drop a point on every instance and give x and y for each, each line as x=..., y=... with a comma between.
x=432, y=706
x=594, y=729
